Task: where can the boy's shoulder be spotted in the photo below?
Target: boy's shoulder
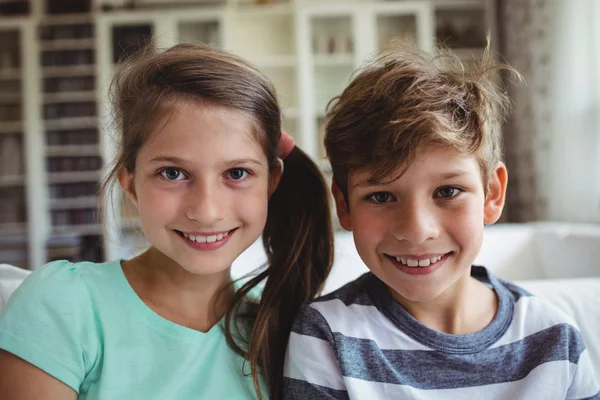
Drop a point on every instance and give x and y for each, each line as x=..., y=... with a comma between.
x=339, y=310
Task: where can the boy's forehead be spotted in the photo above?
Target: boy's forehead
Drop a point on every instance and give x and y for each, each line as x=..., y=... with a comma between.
x=439, y=162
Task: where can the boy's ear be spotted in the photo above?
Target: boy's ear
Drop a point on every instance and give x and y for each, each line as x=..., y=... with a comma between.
x=125, y=179
x=341, y=207
x=275, y=177
x=496, y=194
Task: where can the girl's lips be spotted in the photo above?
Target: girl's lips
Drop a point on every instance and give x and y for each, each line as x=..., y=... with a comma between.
x=206, y=243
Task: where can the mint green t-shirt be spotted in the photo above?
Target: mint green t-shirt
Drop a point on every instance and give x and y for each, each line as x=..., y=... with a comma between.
x=83, y=324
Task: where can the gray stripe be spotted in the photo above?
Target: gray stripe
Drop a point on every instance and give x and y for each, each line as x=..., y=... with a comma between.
x=594, y=397
x=362, y=359
x=351, y=293
x=310, y=322
x=297, y=389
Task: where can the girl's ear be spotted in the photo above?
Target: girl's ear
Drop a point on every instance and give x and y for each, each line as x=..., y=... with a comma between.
x=496, y=194
x=275, y=177
x=341, y=207
x=126, y=182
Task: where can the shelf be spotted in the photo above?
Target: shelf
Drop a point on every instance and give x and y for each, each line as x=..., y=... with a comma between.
x=73, y=177
x=11, y=127
x=13, y=74
x=291, y=113
x=68, y=44
x=73, y=150
x=69, y=71
x=74, y=203
x=71, y=123
x=334, y=60
x=284, y=61
x=62, y=97
x=68, y=19
x=9, y=98
x=467, y=53
x=13, y=228
x=90, y=229
x=12, y=180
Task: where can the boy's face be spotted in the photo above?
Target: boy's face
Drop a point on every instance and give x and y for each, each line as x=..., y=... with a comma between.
x=420, y=233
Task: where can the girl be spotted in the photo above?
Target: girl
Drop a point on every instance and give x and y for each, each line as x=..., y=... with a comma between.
x=201, y=137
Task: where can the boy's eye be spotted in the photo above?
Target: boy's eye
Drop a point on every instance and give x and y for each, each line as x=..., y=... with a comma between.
x=380, y=197
x=172, y=174
x=447, y=192
x=237, y=173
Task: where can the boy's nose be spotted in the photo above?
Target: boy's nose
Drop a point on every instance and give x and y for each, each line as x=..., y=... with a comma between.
x=416, y=224
x=205, y=205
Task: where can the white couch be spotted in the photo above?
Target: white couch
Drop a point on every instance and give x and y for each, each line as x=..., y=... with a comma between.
x=558, y=262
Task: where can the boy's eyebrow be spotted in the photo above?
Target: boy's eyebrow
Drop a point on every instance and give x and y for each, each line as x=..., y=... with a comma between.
x=177, y=160
x=453, y=174
x=443, y=176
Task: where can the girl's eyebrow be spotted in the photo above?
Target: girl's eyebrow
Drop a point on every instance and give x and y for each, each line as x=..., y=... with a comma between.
x=244, y=161
x=180, y=161
x=174, y=160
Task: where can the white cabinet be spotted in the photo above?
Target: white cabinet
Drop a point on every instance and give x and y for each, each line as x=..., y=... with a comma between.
x=55, y=118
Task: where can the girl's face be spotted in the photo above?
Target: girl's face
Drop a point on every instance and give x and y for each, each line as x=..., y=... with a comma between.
x=201, y=187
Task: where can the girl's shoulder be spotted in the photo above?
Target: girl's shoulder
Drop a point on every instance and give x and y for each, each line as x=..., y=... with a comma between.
x=64, y=282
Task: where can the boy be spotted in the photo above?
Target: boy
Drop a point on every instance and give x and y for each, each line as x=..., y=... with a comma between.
x=414, y=144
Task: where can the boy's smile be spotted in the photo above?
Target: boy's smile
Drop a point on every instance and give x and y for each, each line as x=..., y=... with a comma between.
x=420, y=233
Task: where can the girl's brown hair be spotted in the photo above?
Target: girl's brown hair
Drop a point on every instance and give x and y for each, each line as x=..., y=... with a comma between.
x=298, y=236
x=406, y=100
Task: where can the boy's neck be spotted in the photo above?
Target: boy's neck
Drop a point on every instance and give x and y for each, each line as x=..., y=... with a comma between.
x=465, y=308
x=195, y=301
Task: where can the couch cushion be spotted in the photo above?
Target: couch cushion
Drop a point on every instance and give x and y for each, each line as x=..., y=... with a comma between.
x=10, y=278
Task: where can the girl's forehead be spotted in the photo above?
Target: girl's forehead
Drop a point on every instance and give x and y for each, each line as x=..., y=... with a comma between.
x=194, y=130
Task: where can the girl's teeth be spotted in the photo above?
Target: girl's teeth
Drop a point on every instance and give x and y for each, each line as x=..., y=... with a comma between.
x=206, y=239
x=201, y=239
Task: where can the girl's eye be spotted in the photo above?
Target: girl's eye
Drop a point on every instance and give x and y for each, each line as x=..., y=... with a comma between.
x=447, y=192
x=172, y=174
x=237, y=174
x=381, y=197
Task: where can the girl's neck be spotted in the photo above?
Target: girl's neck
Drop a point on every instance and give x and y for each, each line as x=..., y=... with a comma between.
x=195, y=301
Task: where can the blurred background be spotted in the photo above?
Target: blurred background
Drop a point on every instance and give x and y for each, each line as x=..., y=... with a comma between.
x=57, y=58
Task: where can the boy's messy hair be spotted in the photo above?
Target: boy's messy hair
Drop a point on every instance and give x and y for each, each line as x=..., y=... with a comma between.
x=407, y=100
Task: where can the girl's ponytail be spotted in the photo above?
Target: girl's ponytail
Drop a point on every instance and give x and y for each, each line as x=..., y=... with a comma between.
x=298, y=239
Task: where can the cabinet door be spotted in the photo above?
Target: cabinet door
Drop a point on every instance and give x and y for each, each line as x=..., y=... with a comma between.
x=328, y=58
x=403, y=24
x=13, y=213
x=266, y=37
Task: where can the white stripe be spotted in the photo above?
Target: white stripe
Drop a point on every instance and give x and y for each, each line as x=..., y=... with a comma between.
x=548, y=381
x=365, y=322
x=532, y=315
x=312, y=360
x=584, y=383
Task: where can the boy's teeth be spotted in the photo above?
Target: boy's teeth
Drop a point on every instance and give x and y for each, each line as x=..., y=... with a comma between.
x=418, y=263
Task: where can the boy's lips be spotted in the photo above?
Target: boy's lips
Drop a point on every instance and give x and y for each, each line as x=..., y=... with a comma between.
x=422, y=266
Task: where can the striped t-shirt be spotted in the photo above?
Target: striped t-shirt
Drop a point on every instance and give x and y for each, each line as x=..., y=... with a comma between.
x=359, y=343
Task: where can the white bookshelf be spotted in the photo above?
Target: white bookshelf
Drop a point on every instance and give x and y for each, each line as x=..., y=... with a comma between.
x=308, y=48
